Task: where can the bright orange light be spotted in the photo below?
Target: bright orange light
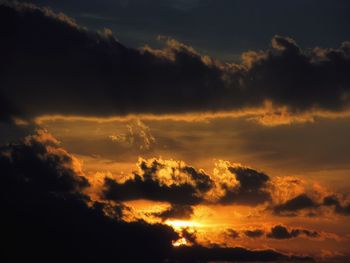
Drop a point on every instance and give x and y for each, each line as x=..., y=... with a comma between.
x=180, y=242
x=178, y=224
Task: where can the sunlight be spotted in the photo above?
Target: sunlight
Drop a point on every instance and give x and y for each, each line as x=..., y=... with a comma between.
x=178, y=224
x=180, y=242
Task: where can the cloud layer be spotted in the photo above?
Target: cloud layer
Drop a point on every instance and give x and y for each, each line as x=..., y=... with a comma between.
x=48, y=216
x=159, y=180
x=180, y=184
x=183, y=186
x=78, y=72
x=279, y=232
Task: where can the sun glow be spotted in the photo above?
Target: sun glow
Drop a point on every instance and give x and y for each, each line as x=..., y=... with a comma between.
x=178, y=224
x=180, y=242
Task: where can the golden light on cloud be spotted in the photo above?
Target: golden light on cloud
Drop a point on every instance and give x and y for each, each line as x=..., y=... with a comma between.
x=180, y=242
x=268, y=115
x=166, y=154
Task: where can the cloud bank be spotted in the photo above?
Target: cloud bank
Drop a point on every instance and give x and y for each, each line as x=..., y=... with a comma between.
x=48, y=216
x=66, y=69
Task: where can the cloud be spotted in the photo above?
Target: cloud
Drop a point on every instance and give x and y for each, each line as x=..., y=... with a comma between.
x=276, y=232
x=190, y=237
x=254, y=233
x=39, y=162
x=296, y=204
x=161, y=180
x=251, y=188
x=180, y=184
x=304, y=202
x=73, y=71
x=339, y=208
x=184, y=186
x=47, y=217
x=176, y=211
x=138, y=135
x=282, y=232
x=232, y=233
x=216, y=253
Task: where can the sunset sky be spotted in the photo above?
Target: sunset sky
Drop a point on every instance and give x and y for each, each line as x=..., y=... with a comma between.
x=175, y=130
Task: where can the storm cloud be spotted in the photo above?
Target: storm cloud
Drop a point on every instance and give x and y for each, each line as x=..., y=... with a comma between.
x=74, y=71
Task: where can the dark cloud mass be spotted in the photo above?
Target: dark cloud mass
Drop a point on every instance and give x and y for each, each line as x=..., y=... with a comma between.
x=251, y=189
x=220, y=254
x=315, y=22
x=233, y=233
x=254, y=233
x=333, y=201
x=176, y=211
x=190, y=237
x=281, y=232
x=48, y=218
x=161, y=181
x=75, y=71
x=277, y=232
x=183, y=186
x=295, y=204
x=305, y=202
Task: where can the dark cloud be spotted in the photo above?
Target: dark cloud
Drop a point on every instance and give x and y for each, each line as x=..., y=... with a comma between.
x=203, y=181
x=316, y=22
x=309, y=233
x=137, y=188
x=331, y=200
x=339, y=208
x=233, y=233
x=46, y=217
x=254, y=233
x=343, y=210
x=282, y=232
x=176, y=211
x=276, y=232
x=66, y=69
x=296, y=204
x=219, y=254
x=184, y=186
x=191, y=237
x=38, y=162
x=305, y=202
x=180, y=185
x=251, y=190
x=308, y=79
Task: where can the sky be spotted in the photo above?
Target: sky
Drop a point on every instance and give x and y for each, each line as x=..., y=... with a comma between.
x=175, y=131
